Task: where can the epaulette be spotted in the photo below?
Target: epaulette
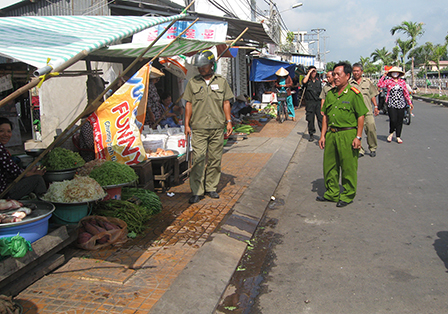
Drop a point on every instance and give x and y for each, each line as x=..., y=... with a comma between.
x=355, y=90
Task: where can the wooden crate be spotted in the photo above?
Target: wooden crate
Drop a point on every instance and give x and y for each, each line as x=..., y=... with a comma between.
x=145, y=176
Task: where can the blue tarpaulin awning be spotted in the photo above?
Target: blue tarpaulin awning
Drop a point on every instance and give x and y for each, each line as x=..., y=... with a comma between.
x=263, y=70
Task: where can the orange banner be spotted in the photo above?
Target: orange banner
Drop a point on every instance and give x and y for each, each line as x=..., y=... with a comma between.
x=118, y=121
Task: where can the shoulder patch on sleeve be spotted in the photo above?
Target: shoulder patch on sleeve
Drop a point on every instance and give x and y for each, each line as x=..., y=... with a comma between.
x=355, y=90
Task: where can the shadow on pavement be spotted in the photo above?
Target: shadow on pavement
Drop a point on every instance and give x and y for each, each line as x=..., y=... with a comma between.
x=440, y=245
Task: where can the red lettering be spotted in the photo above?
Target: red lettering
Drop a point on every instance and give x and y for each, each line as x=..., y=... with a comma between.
x=129, y=141
x=181, y=143
x=135, y=160
x=123, y=109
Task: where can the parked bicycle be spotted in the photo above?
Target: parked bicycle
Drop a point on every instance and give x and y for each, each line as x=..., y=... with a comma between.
x=407, y=115
x=282, y=109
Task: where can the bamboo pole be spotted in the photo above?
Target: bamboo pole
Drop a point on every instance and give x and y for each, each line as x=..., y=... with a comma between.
x=97, y=102
x=233, y=43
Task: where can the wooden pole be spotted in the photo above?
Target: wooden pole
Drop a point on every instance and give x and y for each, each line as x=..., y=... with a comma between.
x=233, y=43
x=97, y=102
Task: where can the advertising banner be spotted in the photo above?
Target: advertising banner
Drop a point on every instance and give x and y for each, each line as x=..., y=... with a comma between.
x=117, y=122
x=208, y=31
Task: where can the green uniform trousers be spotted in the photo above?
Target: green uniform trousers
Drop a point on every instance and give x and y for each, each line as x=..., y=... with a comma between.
x=340, y=158
x=370, y=131
x=207, y=147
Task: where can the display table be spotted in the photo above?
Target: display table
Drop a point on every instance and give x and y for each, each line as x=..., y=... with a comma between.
x=145, y=176
x=182, y=168
x=162, y=169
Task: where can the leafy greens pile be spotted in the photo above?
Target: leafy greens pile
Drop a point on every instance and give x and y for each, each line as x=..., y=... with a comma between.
x=62, y=158
x=145, y=198
x=113, y=173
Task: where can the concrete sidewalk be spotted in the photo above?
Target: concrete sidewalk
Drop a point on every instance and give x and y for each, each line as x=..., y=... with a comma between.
x=186, y=257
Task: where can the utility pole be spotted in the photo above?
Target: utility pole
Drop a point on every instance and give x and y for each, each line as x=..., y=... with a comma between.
x=253, y=13
x=325, y=50
x=318, y=31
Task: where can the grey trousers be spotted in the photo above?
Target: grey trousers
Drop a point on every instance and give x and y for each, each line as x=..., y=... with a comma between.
x=26, y=185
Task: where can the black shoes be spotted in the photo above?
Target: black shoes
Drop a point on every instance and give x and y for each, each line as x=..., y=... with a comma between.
x=195, y=199
x=212, y=194
x=311, y=138
x=343, y=204
x=373, y=154
x=321, y=199
x=339, y=203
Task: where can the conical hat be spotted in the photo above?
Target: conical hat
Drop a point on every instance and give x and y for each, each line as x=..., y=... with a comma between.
x=282, y=72
x=155, y=73
x=395, y=69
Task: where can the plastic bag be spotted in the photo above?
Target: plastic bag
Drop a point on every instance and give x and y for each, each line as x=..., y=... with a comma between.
x=15, y=246
x=102, y=239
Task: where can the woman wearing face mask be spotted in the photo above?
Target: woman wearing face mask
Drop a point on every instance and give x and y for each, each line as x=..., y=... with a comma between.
x=396, y=99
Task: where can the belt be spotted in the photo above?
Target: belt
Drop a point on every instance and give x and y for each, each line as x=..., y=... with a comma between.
x=334, y=130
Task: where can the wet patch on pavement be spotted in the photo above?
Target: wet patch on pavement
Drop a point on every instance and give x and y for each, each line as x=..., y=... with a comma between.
x=253, y=269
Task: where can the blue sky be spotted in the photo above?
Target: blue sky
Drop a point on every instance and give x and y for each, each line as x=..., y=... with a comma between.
x=354, y=27
x=357, y=28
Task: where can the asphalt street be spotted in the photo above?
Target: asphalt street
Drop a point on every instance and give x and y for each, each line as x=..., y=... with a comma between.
x=386, y=252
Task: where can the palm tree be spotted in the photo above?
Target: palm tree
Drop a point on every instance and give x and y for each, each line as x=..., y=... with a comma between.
x=413, y=30
x=382, y=55
x=395, y=56
x=437, y=52
x=404, y=47
x=364, y=61
x=423, y=53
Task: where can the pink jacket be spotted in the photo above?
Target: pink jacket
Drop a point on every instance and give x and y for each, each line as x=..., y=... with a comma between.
x=390, y=83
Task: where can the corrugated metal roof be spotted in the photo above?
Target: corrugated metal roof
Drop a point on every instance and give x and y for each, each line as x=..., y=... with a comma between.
x=58, y=7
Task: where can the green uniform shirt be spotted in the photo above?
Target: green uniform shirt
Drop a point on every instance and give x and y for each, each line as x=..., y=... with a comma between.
x=207, y=101
x=368, y=91
x=343, y=110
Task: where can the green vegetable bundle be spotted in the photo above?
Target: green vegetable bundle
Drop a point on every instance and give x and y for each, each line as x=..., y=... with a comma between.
x=271, y=111
x=145, y=198
x=113, y=173
x=243, y=128
x=62, y=158
x=133, y=215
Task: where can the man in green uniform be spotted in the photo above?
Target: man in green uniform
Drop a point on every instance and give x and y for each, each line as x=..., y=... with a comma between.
x=369, y=92
x=207, y=112
x=343, y=120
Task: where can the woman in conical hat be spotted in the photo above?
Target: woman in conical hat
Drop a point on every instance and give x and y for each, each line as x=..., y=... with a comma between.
x=284, y=84
x=397, y=97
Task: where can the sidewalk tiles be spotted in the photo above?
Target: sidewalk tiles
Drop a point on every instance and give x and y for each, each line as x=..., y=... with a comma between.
x=132, y=278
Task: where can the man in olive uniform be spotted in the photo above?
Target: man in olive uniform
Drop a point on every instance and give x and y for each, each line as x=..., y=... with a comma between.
x=207, y=112
x=344, y=111
x=369, y=92
x=326, y=88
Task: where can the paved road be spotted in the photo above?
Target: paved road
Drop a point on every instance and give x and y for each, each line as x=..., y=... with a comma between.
x=386, y=252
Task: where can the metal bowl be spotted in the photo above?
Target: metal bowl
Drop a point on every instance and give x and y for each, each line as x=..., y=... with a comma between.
x=34, y=152
x=44, y=209
x=60, y=175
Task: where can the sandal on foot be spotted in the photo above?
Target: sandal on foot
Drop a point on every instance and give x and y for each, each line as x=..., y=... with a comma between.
x=389, y=138
x=399, y=140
